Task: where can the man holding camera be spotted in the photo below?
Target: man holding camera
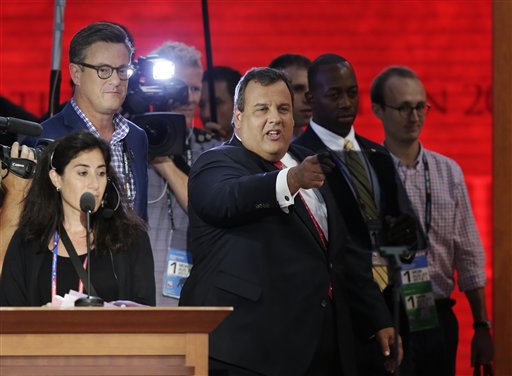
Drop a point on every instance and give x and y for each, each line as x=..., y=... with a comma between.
x=100, y=66
x=168, y=180
x=12, y=193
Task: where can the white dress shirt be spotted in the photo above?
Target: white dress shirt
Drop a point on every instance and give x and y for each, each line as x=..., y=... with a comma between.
x=312, y=197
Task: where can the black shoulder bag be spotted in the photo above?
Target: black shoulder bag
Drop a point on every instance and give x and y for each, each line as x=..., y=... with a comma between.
x=75, y=260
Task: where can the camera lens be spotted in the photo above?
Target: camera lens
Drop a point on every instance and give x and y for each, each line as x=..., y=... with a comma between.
x=166, y=132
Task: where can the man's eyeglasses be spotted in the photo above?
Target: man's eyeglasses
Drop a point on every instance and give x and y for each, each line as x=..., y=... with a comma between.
x=105, y=71
x=406, y=110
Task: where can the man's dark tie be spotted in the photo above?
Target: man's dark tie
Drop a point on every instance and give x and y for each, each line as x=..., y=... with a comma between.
x=364, y=193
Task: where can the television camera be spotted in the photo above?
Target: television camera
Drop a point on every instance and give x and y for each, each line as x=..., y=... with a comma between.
x=24, y=168
x=152, y=90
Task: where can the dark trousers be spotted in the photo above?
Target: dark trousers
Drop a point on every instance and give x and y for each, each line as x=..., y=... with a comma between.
x=218, y=368
x=325, y=361
x=434, y=351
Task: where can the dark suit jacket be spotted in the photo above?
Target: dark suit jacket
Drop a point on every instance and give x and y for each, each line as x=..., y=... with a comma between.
x=270, y=266
x=67, y=121
x=393, y=202
x=393, y=198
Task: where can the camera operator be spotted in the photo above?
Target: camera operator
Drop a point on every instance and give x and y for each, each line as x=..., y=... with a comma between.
x=168, y=180
x=100, y=66
x=12, y=194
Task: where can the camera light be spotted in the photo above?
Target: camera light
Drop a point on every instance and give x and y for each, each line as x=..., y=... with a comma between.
x=163, y=69
x=130, y=71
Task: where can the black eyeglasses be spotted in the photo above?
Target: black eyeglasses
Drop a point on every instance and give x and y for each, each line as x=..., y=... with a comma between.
x=406, y=110
x=105, y=71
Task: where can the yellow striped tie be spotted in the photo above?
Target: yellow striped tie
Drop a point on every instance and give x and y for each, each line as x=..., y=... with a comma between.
x=361, y=182
x=364, y=193
x=380, y=275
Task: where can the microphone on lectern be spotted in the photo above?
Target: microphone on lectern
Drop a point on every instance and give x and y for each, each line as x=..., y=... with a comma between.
x=87, y=205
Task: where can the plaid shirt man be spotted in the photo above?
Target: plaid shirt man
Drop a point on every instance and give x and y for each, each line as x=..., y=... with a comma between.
x=454, y=242
x=119, y=157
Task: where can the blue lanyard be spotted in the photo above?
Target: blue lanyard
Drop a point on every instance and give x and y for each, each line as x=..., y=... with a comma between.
x=54, y=267
x=54, y=264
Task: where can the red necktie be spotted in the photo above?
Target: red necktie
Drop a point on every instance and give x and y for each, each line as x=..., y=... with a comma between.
x=319, y=230
x=278, y=164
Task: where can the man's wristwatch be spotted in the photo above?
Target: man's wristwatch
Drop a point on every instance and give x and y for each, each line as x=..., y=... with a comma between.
x=486, y=324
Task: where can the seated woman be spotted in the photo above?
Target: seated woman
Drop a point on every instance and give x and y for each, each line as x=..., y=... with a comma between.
x=37, y=264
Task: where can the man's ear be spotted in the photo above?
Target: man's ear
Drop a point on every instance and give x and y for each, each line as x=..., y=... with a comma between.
x=75, y=72
x=237, y=118
x=377, y=110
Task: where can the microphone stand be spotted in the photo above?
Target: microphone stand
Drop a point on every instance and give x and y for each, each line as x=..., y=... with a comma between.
x=392, y=255
x=90, y=301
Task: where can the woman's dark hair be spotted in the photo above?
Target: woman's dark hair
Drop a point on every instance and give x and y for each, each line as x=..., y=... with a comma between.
x=43, y=212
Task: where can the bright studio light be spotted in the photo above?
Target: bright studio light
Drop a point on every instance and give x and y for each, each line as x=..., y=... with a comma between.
x=163, y=69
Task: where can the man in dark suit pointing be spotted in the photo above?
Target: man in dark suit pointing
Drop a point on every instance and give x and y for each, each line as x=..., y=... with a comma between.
x=266, y=238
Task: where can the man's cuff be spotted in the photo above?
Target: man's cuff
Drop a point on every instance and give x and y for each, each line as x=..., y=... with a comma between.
x=283, y=194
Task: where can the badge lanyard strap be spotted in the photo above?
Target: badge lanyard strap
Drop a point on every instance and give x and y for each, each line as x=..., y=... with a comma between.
x=428, y=196
x=411, y=294
x=127, y=174
x=54, y=267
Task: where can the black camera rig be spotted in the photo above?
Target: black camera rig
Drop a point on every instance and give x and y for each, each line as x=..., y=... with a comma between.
x=152, y=90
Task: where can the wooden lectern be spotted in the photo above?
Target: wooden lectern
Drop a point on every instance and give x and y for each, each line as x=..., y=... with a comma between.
x=107, y=341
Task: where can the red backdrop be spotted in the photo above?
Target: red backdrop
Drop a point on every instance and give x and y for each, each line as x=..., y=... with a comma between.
x=447, y=43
